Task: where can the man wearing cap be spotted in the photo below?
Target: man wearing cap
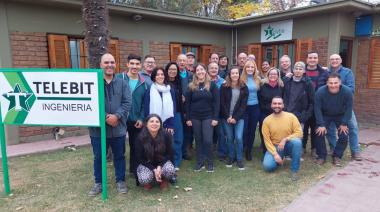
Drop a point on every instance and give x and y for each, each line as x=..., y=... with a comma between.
x=190, y=61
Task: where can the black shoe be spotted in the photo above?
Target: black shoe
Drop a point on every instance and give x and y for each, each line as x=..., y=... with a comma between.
x=222, y=158
x=210, y=167
x=229, y=163
x=199, y=167
x=248, y=155
x=186, y=157
x=173, y=180
x=240, y=165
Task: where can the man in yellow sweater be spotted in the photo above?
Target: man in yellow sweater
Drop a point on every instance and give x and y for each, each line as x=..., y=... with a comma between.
x=282, y=134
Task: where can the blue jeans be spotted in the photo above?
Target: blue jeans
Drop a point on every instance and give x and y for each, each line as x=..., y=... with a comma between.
x=222, y=140
x=251, y=118
x=352, y=134
x=234, y=133
x=117, y=145
x=178, y=139
x=293, y=148
x=340, y=145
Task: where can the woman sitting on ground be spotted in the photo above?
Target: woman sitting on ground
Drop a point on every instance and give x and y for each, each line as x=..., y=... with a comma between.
x=154, y=154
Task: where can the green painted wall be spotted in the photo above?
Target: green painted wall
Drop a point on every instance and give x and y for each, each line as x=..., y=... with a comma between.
x=32, y=18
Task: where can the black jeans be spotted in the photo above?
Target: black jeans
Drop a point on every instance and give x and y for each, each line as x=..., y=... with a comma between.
x=133, y=132
x=310, y=123
x=341, y=143
x=203, y=132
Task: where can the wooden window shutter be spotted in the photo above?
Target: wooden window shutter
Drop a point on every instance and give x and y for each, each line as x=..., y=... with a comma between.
x=59, y=53
x=374, y=64
x=256, y=50
x=83, y=54
x=175, y=50
x=113, y=48
x=205, y=54
x=302, y=48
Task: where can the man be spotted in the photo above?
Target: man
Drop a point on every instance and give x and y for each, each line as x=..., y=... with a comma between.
x=190, y=61
x=282, y=139
x=186, y=77
x=117, y=104
x=213, y=58
x=251, y=57
x=242, y=59
x=333, y=105
x=149, y=65
x=318, y=76
x=285, y=66
x=223, y=66
x=137, y=86
x=347, y=79
x=299, y=94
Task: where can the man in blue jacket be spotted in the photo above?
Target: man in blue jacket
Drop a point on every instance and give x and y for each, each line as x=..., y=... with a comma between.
x=117, y=100
x=347, y=78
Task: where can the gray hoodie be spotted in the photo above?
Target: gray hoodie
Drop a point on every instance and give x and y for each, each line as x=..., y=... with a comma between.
x=117, y=99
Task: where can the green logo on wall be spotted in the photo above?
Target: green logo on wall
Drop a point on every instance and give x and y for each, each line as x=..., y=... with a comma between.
x=272, y=33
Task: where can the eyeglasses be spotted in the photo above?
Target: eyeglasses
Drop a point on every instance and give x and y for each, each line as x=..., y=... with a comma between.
x=109, y=62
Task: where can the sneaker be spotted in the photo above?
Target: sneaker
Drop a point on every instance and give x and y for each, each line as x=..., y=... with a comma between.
x=301, y=159
x=294, y=176
x=199, y=167
x=176, y=169
x=97, y=189
x=356, y=156
x=121, y=187
x=288, y=158
x=210, y=168
x=314, y=153
x=337, y=162
x=163, y=185
x=222, y=158
x=148, y=187
x=240, y=165
x=320, y=161
x=173, y=180
x=229, y=163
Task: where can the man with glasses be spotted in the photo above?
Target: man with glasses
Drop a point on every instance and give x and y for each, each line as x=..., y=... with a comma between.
x=149, y=64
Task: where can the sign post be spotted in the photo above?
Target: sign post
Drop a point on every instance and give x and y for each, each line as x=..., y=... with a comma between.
x=52, y=97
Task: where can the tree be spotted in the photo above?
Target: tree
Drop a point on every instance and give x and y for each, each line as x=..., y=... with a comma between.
x=95, y=16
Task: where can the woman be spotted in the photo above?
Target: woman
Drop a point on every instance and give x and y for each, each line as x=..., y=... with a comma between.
x=271, y=87
x=233, y=102
x=202, y=111
x=154, y=154
x=160, y=99
x=250, y=77
x=171, y=71
x=265, y=66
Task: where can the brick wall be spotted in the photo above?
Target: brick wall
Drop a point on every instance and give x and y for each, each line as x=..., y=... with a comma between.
x=127, y=47
x=219, y=49
x=30, y=50
x=367, y=100
x=161, y=51
x=321, y=47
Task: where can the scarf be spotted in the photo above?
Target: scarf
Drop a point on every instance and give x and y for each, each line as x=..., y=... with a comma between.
x=161, y=106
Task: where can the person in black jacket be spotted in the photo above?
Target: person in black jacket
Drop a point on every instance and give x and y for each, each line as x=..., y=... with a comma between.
x=299, y=94
x=271, y=87
x=154, y=154
x=233, y=102
x=202, y=112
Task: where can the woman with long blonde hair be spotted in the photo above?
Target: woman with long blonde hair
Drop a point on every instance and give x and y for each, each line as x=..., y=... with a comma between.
x=202, y=113
x=250, y=77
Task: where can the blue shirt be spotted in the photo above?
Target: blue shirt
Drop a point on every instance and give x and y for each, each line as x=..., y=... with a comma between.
x=132, y=84
x=183, y=74
x=252, y=91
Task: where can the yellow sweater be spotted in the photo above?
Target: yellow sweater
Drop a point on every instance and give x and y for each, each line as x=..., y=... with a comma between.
x=277, y=127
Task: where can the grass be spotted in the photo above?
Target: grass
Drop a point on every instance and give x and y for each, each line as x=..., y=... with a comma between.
x=59, y=181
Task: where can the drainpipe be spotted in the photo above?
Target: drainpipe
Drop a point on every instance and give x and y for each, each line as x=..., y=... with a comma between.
x=236, y=47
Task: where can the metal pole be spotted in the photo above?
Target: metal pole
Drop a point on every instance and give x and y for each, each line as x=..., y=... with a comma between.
x=102, y=120
x=4, y=156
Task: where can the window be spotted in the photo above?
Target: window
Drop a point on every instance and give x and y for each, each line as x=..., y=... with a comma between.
x=374, y=64
x=65, y=52
x=201, y=52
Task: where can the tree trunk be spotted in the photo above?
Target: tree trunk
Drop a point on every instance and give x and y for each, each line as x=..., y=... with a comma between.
x=95, y=16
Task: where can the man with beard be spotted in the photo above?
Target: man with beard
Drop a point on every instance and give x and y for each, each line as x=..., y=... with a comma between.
x=282, y=139
x=117, y=100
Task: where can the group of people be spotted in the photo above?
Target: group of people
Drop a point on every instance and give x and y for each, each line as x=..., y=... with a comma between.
x=165, y=109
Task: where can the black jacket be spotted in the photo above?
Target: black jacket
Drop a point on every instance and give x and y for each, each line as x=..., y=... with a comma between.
x=265, y=95
x=225, y=102
x=304, y=103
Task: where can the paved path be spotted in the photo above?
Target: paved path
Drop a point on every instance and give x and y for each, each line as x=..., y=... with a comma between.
x=355, y=187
